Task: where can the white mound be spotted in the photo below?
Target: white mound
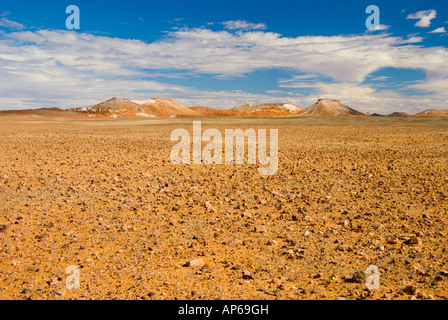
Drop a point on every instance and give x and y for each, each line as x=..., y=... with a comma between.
x=141, y=102
x=141, y=114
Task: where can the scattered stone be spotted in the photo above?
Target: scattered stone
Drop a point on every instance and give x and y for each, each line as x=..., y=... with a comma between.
x=443, y=273
x=260, y=229
x=53, y=282
x=308, y=219
x=42, y=236
x=342, y=247
x=377, y=225
x=248, y=275
x=209, y=206
x=60, y=292
x=195, y=263
x=246, y=214
x=392, y=240
x=413, y=241
x=411, y=290
x=357, y=277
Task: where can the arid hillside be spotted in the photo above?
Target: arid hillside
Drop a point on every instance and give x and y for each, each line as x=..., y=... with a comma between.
x=329, y=108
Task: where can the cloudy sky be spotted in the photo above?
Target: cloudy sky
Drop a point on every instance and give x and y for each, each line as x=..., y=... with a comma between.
x=225, y=53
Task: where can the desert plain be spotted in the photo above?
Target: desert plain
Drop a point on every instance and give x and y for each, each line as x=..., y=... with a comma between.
x=104, y=196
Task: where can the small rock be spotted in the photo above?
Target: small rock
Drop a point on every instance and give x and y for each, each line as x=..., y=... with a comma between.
x=42, y=236
x=208, y=205
x=260, y=229
x=413, y=241
x=377, y=225
x=411, y=290
x=357, y=277
x=443, y=273
x=271, y=242
x=290, y=240
x=248, y=275
x=3, y=227
x=342, y=247
x=308, y=219
x=60, y=292
x=49, y=224
x=246, y=214
x=4, y=176
x=53, y=282
x=392, y=241
x=195, y=263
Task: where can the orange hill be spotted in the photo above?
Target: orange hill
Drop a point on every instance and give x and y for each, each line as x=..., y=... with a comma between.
x=149, y=108
x=399, y=114
x=433, y=113
x=329, y=108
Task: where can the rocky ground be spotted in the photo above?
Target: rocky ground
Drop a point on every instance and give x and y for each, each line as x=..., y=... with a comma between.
x=107, y=199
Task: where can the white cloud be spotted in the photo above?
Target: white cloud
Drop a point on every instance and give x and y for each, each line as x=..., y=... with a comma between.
x=243, y=25
x=67, y=69
x=380, y=27
x=424, y=17
x=412, y=39
x=6, y=23
x=439, y=30
x=437, y=86
x=298, y=78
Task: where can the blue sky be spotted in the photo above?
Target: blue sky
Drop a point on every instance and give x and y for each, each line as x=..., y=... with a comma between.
x=222, y=54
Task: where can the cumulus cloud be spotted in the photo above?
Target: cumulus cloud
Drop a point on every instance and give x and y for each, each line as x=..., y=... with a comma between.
x=243, y=25
x=424, y=17
x=68, y=69
x=381, y=27
x=439, y=30
x=6, y=23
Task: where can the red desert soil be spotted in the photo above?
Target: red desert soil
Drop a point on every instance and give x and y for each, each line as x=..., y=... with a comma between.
x=104, y=196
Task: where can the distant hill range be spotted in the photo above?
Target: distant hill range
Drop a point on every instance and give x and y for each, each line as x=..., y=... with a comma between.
x=167, y=108
x=399, y=114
